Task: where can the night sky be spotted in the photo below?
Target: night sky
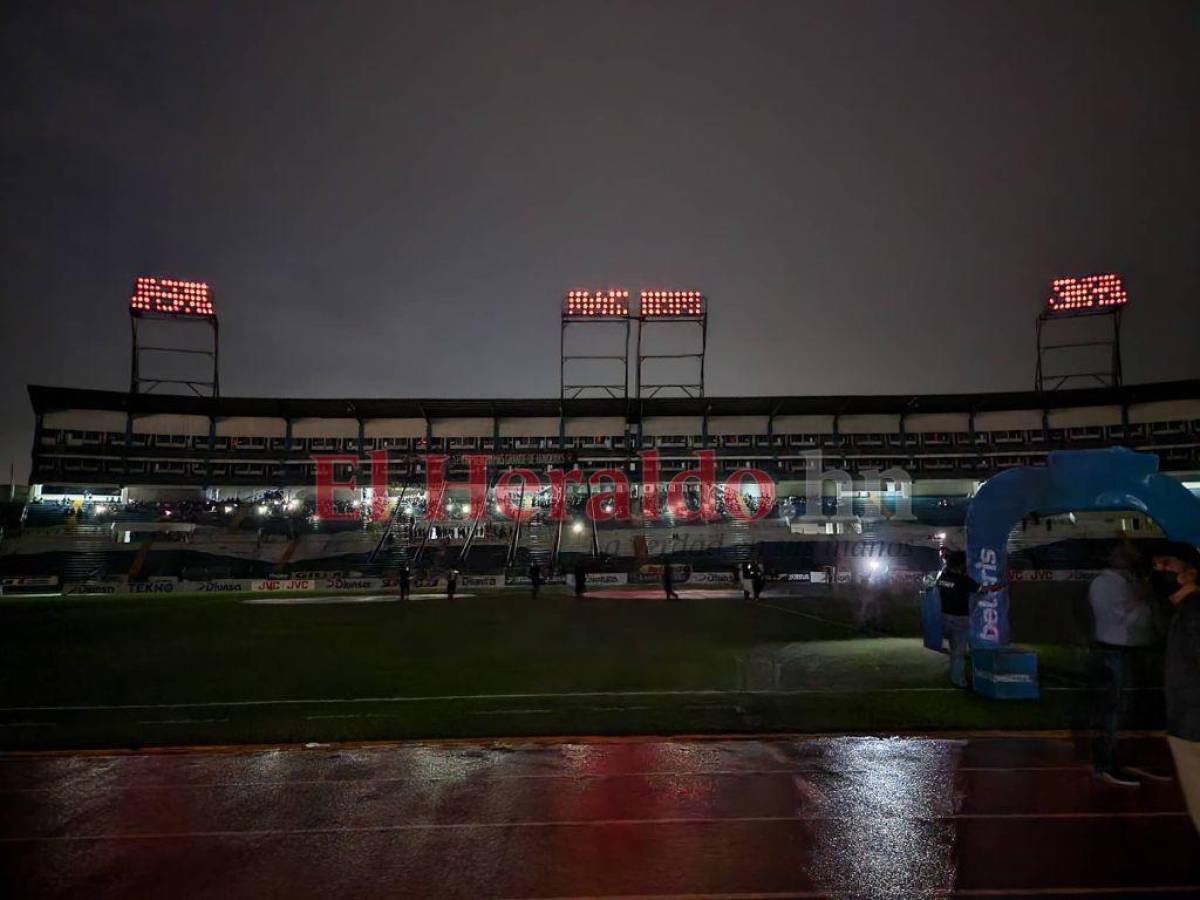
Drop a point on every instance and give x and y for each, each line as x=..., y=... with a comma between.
x=390, y=199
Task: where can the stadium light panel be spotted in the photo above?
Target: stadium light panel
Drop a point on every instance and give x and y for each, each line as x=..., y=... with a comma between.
x=171, y=297
x=597, y=304
x=672, y=304
x=1086, y=294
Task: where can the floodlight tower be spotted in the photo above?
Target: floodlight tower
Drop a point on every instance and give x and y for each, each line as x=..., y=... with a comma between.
x=1073, y=299
x=666, y=308
x=182, y=303
x=595, y=308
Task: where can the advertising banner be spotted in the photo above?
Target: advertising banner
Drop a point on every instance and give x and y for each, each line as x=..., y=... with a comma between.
x=711, y=578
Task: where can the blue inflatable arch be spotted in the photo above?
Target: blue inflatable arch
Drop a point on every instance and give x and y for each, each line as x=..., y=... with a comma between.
x=1072, y=480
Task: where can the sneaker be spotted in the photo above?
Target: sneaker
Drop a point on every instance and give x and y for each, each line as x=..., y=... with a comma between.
x=1148, y=774
x=1116, y=781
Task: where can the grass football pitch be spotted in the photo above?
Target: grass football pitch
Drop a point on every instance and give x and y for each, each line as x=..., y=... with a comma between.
x=154, y=670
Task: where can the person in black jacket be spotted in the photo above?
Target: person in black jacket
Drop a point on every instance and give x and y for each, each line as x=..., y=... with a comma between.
x=1178, y=569
x=955, y=588
x=758, y=580
x=668, y=582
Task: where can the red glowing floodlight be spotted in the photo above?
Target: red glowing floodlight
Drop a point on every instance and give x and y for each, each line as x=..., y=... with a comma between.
x=170, y=297
x=597, y=304
x=1087, y=294
x=672, y=304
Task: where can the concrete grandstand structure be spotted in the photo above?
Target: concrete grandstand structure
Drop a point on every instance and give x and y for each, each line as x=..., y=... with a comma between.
x=88, y=438
x=147, y=485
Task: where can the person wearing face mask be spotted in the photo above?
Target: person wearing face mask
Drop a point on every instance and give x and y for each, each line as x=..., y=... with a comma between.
x=1177, y=574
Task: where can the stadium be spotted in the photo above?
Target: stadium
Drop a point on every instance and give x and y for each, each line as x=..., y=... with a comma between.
x=144, y=490
x=851, y=552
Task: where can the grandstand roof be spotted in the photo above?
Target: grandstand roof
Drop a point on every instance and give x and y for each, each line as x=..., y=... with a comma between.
x=45, y=399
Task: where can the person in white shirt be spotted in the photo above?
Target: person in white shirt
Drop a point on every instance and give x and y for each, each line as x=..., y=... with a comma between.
x=1123, y=622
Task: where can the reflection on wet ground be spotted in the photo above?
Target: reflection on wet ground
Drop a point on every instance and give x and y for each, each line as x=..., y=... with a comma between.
x=836, y=816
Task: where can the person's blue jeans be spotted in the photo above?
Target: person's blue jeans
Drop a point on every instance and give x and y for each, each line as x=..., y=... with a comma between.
x=956, y=629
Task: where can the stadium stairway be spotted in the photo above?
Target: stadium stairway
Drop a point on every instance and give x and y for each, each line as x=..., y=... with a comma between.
x=395, y=547
x=738, y=547
x=540, y=541
x=86, y=553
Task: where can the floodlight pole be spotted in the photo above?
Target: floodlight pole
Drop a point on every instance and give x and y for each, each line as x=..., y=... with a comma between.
x=694, y=389
x=1042, y=381
x=571, y=391
x=144, y=385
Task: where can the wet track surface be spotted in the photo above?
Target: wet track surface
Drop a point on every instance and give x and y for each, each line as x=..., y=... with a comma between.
x=836, y=816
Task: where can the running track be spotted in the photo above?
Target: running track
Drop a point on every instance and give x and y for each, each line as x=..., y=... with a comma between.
x=752, y=818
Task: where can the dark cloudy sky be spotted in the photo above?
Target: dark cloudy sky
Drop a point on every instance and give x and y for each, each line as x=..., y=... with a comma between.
x=390, y=198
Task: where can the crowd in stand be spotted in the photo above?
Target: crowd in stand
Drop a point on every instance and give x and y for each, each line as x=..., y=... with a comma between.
x=275, y=509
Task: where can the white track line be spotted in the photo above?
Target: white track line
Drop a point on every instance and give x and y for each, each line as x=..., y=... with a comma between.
x=570, y=823
x=485, y=778
x=443, y=698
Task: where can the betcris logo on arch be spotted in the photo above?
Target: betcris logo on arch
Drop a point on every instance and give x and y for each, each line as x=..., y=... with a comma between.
x=989, y=612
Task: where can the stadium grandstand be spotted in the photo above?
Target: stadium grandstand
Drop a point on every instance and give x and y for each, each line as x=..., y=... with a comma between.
x=143, y=486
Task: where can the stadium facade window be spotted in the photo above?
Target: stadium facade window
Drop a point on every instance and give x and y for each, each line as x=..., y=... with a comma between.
x=1002, y=438
x=1168, y=429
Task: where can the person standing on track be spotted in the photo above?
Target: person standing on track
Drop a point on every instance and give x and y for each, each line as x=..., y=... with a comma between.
x=535, y=580
x=451, y=583
x=668, y=582
x=1123, y=624
x=955, y=588
x=404, y=581
x=1179, y=568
